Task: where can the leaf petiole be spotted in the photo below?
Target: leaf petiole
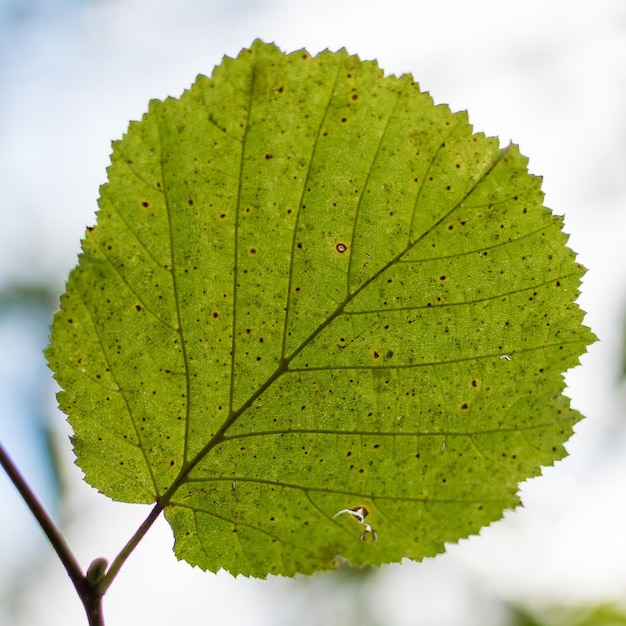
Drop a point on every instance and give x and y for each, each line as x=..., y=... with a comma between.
x=126, y=551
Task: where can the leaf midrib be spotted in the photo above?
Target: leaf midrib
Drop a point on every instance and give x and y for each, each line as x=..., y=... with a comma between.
x=283, y=365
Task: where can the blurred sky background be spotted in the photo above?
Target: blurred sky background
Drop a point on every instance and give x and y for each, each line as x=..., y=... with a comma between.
x=549, y=75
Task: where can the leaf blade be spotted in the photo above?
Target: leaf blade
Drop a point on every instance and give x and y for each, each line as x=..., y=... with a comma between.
x=317, y=291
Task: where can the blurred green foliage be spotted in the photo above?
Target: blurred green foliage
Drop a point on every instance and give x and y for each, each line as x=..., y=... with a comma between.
x=583, y=615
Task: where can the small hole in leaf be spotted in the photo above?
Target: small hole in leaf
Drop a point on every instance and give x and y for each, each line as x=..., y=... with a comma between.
x=341, y=247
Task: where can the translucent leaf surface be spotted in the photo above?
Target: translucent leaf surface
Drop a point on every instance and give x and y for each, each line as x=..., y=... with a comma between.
x=310, y=290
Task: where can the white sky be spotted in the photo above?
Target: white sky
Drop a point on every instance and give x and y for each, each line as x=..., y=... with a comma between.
x=547, y=74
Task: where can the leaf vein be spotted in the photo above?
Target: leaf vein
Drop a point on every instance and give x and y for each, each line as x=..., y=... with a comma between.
x=446, y=305
x=474, y=185
x=457, y=255
x=299, y=210
x=196, y=510
x=477, y=357
x=121, y=390
x=180, y=329
x=240, y=183
x=328, y=490
x=382, y=433
x=115, y=206
x=136, y=294
x=365, y=184
x=425, y=178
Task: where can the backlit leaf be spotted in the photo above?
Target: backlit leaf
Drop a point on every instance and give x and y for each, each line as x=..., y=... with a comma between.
x=310, y=290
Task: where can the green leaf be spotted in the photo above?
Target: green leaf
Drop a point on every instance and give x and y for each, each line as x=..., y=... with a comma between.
x=309, y=291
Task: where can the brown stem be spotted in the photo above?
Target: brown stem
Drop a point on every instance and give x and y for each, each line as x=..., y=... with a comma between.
x=93, y=608
x=43, y=519
x=90, y=596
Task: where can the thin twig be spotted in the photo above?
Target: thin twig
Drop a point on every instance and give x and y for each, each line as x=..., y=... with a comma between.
x=44, y=520
x=90, y=597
